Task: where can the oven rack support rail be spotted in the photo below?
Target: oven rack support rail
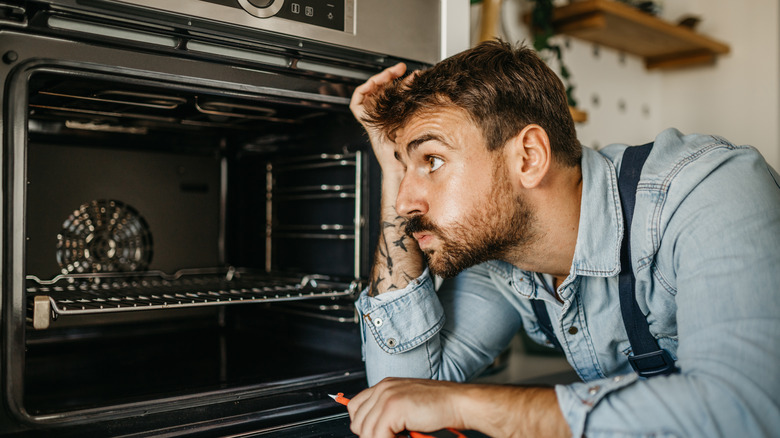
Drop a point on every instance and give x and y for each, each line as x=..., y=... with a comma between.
x=105, y=293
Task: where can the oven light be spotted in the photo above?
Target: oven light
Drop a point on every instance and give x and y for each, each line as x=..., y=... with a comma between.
x=108, y=31
x=213, y=49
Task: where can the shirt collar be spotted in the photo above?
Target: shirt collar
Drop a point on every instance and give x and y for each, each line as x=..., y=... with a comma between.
x=600, y=231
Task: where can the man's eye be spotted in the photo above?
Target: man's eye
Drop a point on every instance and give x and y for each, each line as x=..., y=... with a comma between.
x=435, y=163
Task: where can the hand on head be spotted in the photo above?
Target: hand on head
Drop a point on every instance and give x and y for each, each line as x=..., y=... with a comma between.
x=362, y=98
x=371, y=87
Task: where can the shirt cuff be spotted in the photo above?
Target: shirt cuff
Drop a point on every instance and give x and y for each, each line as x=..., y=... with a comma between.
x=577, y=400
x=402, y=319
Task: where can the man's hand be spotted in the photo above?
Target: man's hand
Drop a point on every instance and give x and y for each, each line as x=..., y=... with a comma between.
x=394, y=405
x=383, y=148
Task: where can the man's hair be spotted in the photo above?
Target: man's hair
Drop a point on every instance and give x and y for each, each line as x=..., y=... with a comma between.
x=502, y=88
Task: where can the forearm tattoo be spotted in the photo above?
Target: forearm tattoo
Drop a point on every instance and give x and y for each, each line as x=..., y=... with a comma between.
x=391, y=242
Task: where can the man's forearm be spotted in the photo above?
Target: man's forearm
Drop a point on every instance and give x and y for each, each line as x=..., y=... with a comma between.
x=512, y=411
x=398, y=259
x=424, y=405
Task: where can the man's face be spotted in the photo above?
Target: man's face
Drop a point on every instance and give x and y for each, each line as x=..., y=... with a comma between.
x=459, y=201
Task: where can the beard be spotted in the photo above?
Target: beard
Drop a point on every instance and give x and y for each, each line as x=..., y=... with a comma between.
x=499, y=227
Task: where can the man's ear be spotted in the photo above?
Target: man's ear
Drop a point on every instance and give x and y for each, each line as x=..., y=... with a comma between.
x=528, y=156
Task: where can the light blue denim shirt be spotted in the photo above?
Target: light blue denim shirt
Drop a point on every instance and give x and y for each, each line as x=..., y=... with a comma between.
x=705, y=244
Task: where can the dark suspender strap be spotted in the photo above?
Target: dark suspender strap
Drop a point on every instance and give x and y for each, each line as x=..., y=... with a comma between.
x=648, y=358
x=545, y=324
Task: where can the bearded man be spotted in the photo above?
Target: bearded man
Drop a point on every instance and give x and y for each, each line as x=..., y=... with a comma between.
x=485, y=184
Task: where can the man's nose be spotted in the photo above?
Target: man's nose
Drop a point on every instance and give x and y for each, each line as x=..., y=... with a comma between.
x=411, y=199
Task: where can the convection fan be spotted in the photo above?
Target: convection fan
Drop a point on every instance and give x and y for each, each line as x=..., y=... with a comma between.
x=104, y=236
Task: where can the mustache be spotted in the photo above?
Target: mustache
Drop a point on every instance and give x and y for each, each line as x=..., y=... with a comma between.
x=418, y=224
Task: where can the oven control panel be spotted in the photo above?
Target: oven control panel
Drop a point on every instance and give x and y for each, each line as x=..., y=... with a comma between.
x=328, y=13
x=407, y=29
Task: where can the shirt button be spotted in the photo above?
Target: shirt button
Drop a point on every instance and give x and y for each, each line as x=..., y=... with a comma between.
x=378, y=322
x=391, y=342
x=573, y=330
x=617, y=378
x=593, y=389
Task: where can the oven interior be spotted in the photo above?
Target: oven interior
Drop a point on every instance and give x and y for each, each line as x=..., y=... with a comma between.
x=183, y=240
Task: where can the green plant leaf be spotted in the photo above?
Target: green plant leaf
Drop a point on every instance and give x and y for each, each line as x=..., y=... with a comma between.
x=542, y=30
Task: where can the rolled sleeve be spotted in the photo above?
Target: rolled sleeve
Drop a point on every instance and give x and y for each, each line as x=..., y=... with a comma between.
x=578, y=399
x=397, y=322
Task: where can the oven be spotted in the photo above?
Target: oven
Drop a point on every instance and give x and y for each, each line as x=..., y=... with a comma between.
x=190, y=209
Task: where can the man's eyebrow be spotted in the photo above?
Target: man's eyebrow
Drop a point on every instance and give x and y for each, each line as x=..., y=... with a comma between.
x=414, y=144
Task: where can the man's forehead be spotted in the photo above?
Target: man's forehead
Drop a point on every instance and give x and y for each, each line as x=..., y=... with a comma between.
x=433, y=125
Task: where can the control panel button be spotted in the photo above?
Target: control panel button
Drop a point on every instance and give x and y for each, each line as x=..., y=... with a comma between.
x=262, y=8
x=261, y=3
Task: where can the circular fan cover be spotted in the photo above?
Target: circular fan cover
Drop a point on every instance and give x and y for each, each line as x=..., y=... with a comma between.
x=104, y=236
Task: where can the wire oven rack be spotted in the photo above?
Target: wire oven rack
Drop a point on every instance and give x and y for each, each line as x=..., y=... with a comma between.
x=79, y=294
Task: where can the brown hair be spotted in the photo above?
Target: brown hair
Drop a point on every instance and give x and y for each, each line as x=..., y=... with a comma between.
x=502, y=88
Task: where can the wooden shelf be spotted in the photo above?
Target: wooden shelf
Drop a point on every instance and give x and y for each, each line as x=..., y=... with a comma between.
x=579, y=116
x=622, y=27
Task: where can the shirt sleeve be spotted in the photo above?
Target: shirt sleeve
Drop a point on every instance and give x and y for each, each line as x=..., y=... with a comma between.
x=724, y=242
x=450, y=335
x=394, y=324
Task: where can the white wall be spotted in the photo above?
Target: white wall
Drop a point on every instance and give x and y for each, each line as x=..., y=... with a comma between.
x=738, y=97
x=455, y=15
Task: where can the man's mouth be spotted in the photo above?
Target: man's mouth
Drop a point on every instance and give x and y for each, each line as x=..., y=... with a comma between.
x=421, y=230
x=423, y=239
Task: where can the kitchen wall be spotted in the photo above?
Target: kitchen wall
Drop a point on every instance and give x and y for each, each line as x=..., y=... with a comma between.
x=738, y=97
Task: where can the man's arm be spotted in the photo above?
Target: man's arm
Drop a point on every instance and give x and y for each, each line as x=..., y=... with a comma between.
x=395, y=405
x=398, y=259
